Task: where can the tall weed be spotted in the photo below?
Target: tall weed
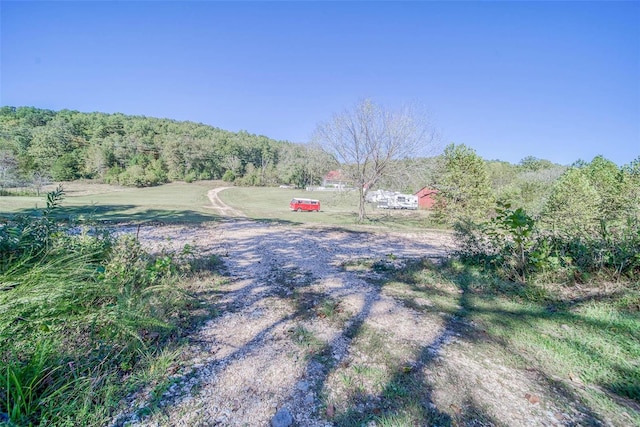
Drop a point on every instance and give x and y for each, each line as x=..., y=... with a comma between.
x=78, y=314
x=27, y=387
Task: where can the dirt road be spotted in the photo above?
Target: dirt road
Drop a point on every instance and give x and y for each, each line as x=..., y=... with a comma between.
x=310, y=335
x=221, y=207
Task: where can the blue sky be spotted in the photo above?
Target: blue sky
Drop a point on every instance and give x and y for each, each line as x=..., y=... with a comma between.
x=556, y=80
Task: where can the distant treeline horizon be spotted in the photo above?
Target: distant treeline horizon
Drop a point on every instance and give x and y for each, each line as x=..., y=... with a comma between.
x=37, y=145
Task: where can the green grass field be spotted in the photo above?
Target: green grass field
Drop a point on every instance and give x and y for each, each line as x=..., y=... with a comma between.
x=176, y=202
x=337, y=208
x=188, y=203
x=273, y=204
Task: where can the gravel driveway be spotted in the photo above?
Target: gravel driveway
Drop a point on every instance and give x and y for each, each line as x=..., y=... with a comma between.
x=246, y=365
x=291, y=323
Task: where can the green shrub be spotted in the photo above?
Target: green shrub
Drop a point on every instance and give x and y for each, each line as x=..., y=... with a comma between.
x=511, y=232
x=66, y=167
x=111, y=177
x=205, y=175
x=155, y=174
x=190, y=177
x=573, y=207
x=26, y=236
x=513, y=244
x=229, y=176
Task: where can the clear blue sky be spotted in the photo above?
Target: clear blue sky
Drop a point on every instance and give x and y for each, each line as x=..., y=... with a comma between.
x=555, y=80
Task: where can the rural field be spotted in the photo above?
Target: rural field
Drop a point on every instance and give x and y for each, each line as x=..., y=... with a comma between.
x=188, y=203
x=307, y=319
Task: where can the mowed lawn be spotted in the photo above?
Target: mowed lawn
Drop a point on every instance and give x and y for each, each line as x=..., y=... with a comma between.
x=175, y=202
x=338, y=208
x=181, y=202
x=273, y=204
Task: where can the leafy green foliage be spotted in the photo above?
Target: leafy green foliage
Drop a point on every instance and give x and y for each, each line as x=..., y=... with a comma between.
x=513, y=232
x=29, y=236
x=228, y=176
x=78, y=313
x=526, y=185
x=589, y=228
x=573, y=206
x=533, y=164
x=142, y=151
x=465, y=190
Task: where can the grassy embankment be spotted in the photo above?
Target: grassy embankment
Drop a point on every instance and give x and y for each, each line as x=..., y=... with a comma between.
x=85, y=319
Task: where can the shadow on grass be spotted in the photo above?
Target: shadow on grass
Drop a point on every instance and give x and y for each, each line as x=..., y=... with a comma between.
x=409, y=392
x=126, y=213
x=274, y=221
x=475, y=304
x=407, y=397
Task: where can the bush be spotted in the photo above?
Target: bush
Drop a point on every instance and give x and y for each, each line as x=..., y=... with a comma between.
x=229, y=176
x=25, y=236
x=66, y=167
x=111, y=177
x=573, y=206
x=589, y=228
x=506, y=242
x=513, y=244
x=190, y=177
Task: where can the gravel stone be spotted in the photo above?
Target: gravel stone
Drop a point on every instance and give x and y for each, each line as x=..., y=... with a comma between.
x=282, y=418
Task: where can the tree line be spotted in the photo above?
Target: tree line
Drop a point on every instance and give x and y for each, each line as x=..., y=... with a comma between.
x=39, y=144
x=543, y=220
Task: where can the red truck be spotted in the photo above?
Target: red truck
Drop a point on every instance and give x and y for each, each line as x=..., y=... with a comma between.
x=310, y=205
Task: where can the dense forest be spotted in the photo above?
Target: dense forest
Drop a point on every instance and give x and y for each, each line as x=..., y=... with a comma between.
x=38, y=145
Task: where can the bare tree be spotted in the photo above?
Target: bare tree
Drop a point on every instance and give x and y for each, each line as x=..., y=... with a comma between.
x=39, y=180
x=8, y=168
x=368, y=139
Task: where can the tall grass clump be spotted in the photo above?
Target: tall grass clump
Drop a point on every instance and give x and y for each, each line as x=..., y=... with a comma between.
x=79, y=312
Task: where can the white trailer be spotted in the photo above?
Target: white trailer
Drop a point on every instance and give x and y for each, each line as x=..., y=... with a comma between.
x=399, y=201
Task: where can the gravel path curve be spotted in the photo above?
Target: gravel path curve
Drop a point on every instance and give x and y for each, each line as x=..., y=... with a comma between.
x=221, y=207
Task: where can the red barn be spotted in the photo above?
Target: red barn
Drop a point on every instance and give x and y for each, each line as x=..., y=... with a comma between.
x=426, y=198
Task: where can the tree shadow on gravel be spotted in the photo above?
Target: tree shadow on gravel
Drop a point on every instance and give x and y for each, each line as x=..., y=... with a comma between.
x=323, y=360
x=277, y=267
x=406, y=399
x=270, y=265
x=466, y=331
